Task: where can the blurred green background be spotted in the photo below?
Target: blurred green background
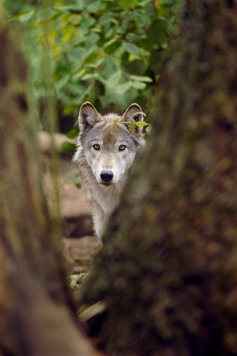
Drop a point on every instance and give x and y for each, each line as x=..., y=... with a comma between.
x=108, y=52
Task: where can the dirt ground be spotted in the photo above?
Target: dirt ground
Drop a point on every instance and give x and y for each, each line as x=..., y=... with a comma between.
x=80, y=243
x=77, y=222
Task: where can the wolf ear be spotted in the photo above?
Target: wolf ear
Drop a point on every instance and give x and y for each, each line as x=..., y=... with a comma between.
x=88, y=116
x=134, y=112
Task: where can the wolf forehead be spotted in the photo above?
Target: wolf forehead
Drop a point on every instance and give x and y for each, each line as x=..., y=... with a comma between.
x=109, y=132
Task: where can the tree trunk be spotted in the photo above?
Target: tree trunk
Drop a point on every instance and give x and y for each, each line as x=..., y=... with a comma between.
x=36, y=312
x=168, y=271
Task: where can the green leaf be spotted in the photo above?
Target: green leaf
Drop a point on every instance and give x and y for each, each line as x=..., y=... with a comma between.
x=72, y=9
x=89, y=76
x=114, y=79
x=68, y=147
x=45, y=14
x=139, y=85
x=95, y=6
x=136, y=67
x=107, y=68
x=149, y=9
x=148, y=130
x=110, y=33
x=109, y=52
x=24, y=16
x=132, y=48
x=142, y=124
x=137, y=113
x=112, y=45
x=91, y=40
x=92, y=57
x=127, y=3
x=77, y=54
x=158, y=32
x=68, y=109
x=123, y=87
x=73, y=133
x=112, y=48
x=87, y=22
x=141, y=78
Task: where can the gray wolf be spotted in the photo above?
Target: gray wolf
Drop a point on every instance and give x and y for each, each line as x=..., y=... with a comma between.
x=107, y=147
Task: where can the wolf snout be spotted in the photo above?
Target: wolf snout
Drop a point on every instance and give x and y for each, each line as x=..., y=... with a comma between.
x=106, y=176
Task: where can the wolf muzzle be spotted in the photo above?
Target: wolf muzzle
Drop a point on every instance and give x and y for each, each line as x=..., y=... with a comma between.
x=106, y=176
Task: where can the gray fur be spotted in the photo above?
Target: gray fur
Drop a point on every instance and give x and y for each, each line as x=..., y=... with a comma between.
x=103, y=131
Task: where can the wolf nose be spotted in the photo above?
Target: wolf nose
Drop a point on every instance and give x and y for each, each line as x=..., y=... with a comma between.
x=106, y=176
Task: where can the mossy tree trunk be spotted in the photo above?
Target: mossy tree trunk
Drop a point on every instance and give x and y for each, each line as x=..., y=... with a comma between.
x=37, y=316
x=168, y=271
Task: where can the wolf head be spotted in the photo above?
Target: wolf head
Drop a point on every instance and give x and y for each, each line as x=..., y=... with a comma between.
x=109, y=142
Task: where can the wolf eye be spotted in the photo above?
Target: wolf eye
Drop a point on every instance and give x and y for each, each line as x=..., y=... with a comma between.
x=122, y=147
x=96, y=147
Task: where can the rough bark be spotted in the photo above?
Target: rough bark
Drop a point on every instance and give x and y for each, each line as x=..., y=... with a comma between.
x=36, y=312
x=168, y=270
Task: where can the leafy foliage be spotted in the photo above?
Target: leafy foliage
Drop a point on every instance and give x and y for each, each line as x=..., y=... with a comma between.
x=108, y=52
